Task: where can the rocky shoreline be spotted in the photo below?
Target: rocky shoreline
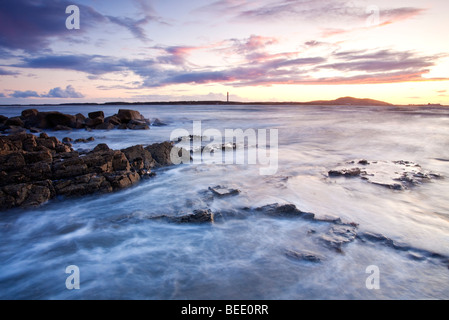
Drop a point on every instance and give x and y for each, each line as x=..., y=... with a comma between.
x=36, y=121
x=36, y=169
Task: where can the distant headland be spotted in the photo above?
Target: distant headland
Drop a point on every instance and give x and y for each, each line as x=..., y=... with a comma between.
x=345, y=101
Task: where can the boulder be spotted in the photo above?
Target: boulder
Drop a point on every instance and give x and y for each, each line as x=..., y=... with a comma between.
x=114, y=120
x=92, y=123
x=29, y=113
x=16, y=122
x=126, y=116
x=53, y=119
x=105, y=126
x=96, y=114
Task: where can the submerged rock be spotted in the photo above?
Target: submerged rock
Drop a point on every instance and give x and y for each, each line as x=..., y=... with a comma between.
x=285, y=211
x=197, y=217
x=396, y=175
x=304, y=256
x=222, y=192
x=338, y=236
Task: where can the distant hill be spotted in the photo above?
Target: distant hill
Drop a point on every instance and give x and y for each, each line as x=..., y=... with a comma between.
x=351, y=101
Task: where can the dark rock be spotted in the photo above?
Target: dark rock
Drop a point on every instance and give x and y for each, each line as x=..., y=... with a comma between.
x=81, y=140
x=29, y=113
x=364, y=162
x=101, y=147
x=92, y=123
x=161, y=153
x=67, y=140
x=139, y=158
x=114, y=120
x=91, y=139
x=34, y=170
x=96, y=114
x=105, y=126
x=3, y=119
x=26, y=195
x=62, y=128
x=123, y=126
x=198, y=217
x=221, y=192
x=303, y=256
x=16, y=121
x=354, y=172
x=158, y=123
x=126, y=116
x=121, y=180
x=80, y=119
x=83, y=185
x=285, y=211
x=55, y=118
x=35, y=130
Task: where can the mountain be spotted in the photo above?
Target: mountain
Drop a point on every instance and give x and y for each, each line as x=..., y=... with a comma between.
x=351, y=101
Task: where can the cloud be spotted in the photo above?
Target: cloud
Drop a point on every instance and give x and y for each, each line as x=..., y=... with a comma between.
x=32, y=25
x=4, y=72
x=25, y=94
x=68, y=92
x=2, y=95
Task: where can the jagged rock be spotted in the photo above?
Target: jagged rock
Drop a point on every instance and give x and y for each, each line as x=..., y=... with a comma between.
x=285, y=211
x=161, y=153
x=121, y=180
x=139, y=158
x=221, y=192
x=67, y=140
x=303, y=256
x=83, y=185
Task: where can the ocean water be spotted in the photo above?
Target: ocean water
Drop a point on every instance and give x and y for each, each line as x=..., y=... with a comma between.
x=122, y=254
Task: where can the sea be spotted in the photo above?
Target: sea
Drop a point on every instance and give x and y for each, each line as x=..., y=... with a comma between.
x=120, y=252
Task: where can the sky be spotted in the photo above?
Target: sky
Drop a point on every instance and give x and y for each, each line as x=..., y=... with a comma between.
x=264, y=50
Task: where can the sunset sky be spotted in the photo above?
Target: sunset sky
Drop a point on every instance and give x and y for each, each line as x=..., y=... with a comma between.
x=264, y=50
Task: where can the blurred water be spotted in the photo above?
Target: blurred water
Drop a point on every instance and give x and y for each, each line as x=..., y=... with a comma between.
x=124, y=255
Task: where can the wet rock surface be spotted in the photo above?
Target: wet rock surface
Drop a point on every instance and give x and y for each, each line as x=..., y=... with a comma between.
x=34, y=170
x=34, y=121
x=395, y=175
